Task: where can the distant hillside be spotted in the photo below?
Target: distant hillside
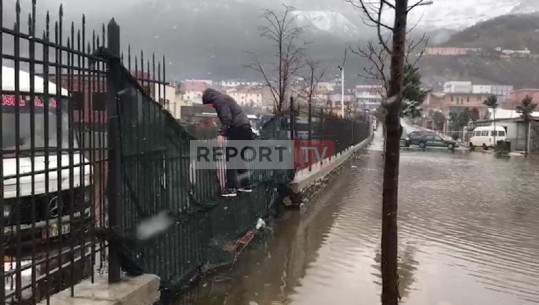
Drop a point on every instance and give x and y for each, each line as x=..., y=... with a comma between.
x=518, y=72
x=510, y=32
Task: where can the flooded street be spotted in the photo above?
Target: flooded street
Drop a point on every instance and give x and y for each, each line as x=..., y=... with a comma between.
x=469, y=234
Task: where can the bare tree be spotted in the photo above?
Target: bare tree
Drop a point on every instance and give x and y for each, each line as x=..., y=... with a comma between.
x=314, y=75
x=285, y=36
x=397, y=56
x=379, y=60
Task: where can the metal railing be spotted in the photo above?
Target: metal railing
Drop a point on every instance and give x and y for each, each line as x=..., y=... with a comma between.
x=55, y=150
x=322, y=125
x=158, y=178
x=88, y=155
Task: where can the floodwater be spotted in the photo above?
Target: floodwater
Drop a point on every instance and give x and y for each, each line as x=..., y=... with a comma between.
x=469, y=234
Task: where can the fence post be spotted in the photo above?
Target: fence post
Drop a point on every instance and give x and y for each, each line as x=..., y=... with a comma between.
x=114, y=146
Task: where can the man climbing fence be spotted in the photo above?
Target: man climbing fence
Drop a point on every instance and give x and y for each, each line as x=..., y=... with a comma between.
x=234, y=126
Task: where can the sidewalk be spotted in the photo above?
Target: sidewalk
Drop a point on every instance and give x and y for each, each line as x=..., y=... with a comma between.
x=377, y=143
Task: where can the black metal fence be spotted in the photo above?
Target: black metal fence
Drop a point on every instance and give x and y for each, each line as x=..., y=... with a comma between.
x=88, y=156
x=55, y=152
x=322, y=124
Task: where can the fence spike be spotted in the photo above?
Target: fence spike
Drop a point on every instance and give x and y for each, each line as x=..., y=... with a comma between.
x=153, y=68
x=93, y=40
x=34, y=4
x=16, y=25
x=129, y=58
x=103, y=32
x=60, y=23
x=73, y=34
x=83, y=34
x=56, y=32
x=164, y=79
x=30, y=24
x=47, y=24
x=159, y=84
x=142, y=68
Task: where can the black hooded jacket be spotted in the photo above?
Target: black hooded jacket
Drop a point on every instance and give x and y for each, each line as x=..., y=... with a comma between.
x=229, y=112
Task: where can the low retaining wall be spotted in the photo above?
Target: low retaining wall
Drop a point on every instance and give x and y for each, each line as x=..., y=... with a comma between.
x=306, y=181
x=141, y=290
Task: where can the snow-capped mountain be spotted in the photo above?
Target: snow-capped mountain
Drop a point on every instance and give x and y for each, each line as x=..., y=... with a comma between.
x=204, y=38
x=333, y=23
x=335, y=17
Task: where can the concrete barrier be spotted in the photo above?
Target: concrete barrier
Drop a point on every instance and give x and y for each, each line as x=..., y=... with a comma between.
x=141, y=290
x=306, y=178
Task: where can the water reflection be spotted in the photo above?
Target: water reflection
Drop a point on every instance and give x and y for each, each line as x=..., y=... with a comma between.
x=469, y=231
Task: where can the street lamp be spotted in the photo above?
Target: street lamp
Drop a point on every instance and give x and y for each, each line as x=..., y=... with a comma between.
x=342, y=90
x=341, y=68
x=426, y=3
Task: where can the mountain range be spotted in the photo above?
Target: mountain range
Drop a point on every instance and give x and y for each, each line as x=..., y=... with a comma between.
x=209, y=38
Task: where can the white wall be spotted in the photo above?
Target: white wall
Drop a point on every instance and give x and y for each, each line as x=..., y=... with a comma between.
x=482, y=89
x=516, y=133
x=458, y=87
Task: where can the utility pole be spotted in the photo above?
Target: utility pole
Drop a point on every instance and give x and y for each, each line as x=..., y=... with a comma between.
x=342, y=91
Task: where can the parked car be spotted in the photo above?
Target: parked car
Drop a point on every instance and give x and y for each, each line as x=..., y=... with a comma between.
x=434, y=140
x=414, y=137
x=487, y=136
x=47, y=193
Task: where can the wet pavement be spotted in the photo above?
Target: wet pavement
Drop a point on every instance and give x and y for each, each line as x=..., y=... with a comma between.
x=469, y=234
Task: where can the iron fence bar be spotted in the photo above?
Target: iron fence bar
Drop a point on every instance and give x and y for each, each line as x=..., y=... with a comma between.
x=18, y=255
x=31, y=30
x=42, y=62
x=114, y=165
x=46, y=121
x=152, y=83
x=40, y=261
x=44, y=277
x=48, y=43
x=87, y=92
x=70, y=136
x=2, y=204
x=58, y=39
x=162, y=81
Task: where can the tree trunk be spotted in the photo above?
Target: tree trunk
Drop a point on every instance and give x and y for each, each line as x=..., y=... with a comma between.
x=390, y=290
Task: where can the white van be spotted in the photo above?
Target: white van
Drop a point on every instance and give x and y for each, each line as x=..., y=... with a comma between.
x=65, y=193
x=487, y=136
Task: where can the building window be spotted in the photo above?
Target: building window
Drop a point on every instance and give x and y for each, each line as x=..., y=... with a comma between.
x=468, y=99
x=451, y=98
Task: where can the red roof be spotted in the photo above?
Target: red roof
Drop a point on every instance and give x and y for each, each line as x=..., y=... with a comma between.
x=193, y=85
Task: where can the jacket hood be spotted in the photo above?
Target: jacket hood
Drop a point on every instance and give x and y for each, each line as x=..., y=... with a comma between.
x=210, y=96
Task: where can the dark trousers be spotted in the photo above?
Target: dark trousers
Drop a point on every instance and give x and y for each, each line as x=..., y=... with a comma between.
x=236, y=178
